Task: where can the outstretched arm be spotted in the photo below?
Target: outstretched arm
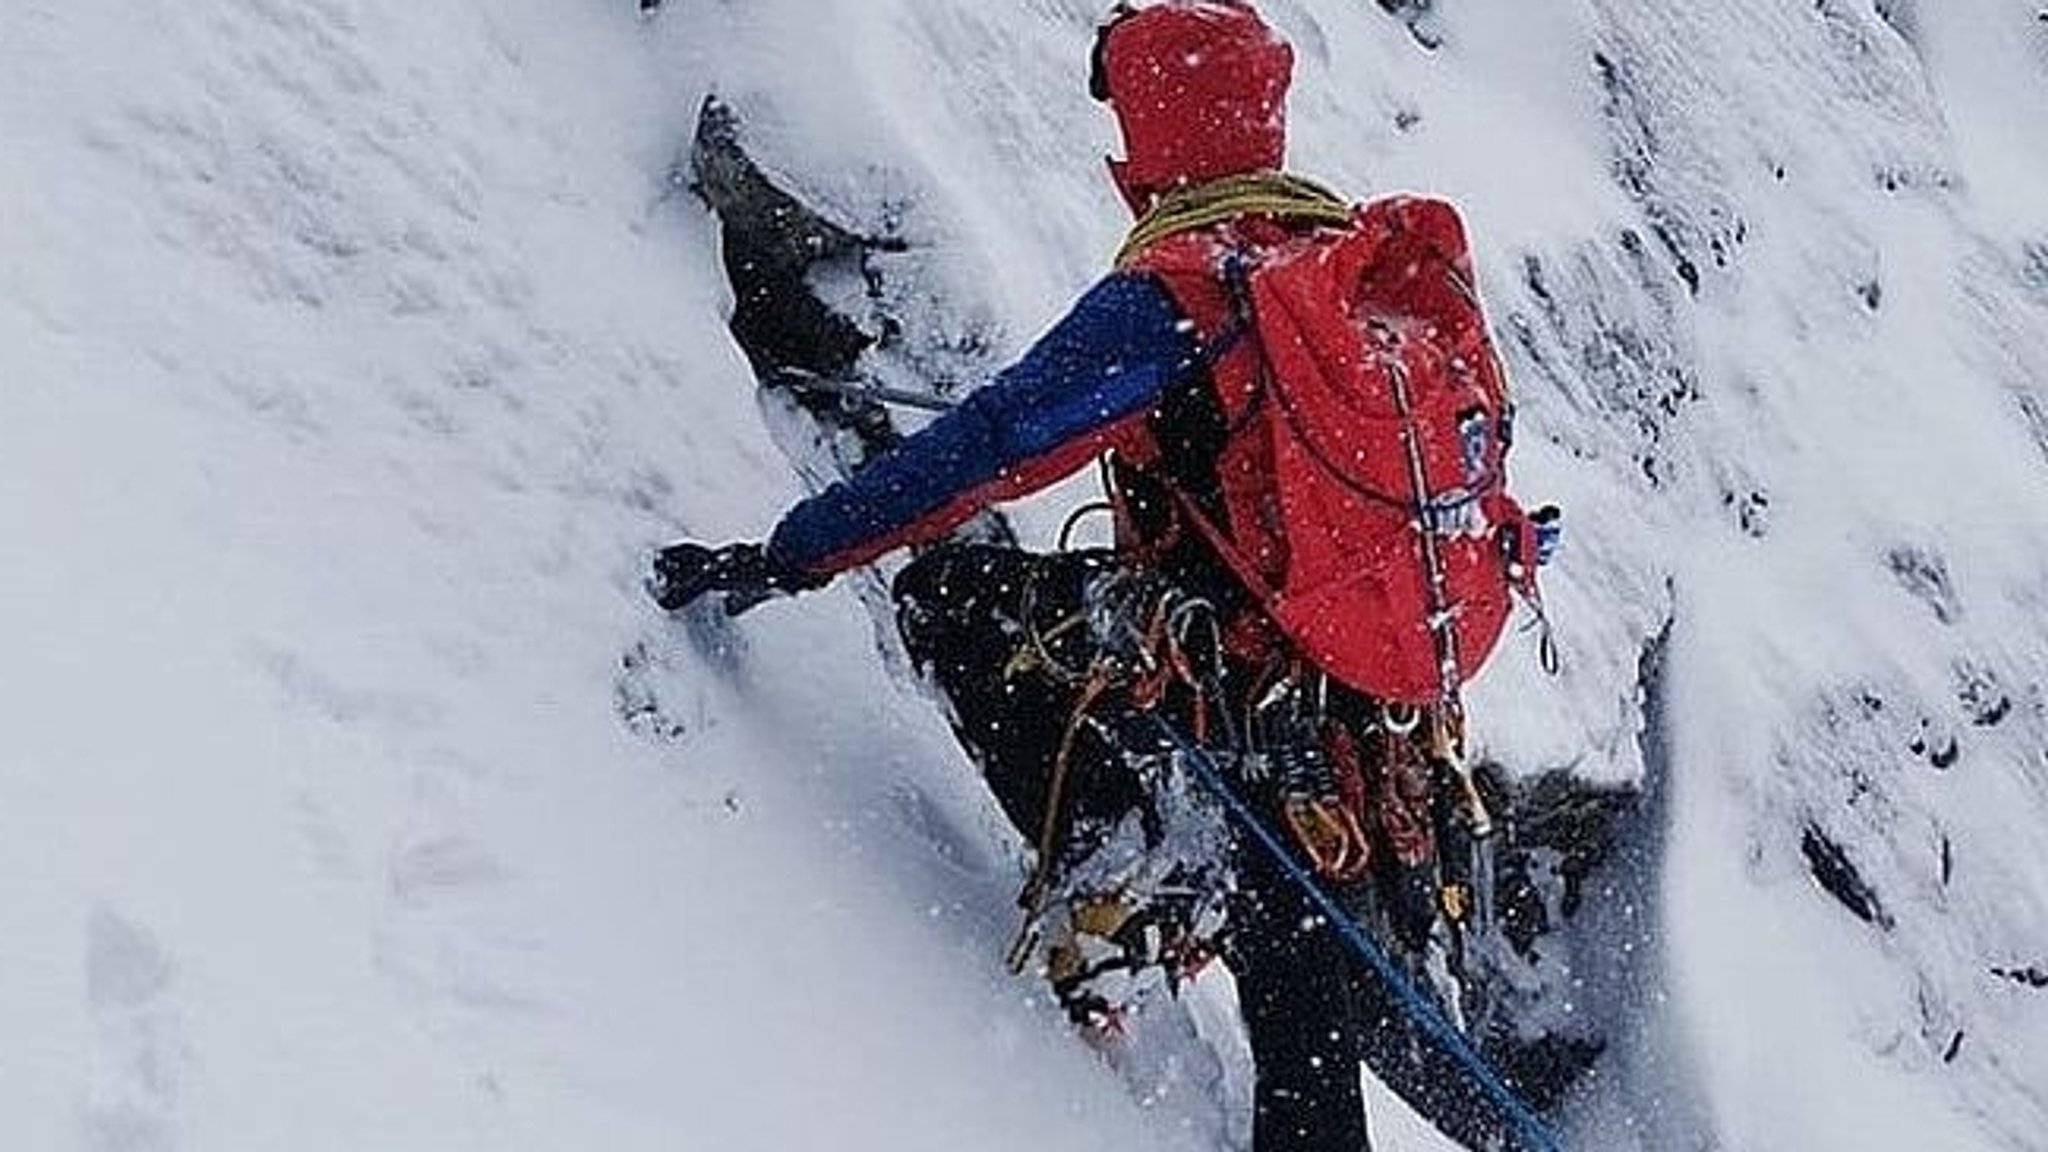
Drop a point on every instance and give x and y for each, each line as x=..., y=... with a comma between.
x=1084, y=387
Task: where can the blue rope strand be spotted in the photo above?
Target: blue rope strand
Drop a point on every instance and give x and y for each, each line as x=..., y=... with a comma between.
x=1530, y=1128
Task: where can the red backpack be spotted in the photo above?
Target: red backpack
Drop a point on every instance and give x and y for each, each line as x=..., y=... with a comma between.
x=1364, y=474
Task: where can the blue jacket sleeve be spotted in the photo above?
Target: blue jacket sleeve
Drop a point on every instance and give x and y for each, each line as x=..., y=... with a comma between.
x=1097, y=372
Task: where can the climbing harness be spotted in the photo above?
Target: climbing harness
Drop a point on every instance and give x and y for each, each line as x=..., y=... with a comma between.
x=1136, y=628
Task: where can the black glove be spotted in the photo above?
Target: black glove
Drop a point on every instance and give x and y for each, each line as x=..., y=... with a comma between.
x=745, y=572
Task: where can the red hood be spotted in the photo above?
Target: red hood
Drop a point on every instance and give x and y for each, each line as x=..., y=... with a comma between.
x=1199, y=89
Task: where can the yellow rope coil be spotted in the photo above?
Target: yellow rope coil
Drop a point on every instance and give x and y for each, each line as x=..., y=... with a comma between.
x=1274, y=194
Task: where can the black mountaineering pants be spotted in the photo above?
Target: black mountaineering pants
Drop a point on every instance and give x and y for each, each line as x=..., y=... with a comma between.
x=1295, y=987
x=1310, y=1012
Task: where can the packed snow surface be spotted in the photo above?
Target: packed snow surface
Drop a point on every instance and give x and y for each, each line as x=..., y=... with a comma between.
x=354, y=356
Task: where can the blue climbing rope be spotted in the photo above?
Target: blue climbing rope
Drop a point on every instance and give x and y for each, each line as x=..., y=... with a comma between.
x=1530, y=1130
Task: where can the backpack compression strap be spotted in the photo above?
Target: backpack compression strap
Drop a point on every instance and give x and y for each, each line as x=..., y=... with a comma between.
x=1274, y=194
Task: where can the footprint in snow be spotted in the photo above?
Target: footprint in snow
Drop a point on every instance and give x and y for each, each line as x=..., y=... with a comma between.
x=131, y=1098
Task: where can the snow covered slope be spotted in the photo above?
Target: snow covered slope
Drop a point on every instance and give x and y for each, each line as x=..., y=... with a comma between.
x=1771, y=278
x=353, y=355
x=351, y=366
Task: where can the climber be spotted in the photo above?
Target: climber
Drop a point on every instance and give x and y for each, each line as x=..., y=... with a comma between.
x=1304, y=588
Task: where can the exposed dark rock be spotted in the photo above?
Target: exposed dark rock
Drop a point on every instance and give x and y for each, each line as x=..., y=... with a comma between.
x=1420, y=18
x=1752, y=512
x=1542, y=1075
x=1563, y=850
x=2035, y=413
x=1592, y=340
x=770, y=243
x=1838, y=876
x=777, y=250
x=1946, y=755
x=1983, y=699
x=2034, y=265
x=1555, y=833
x=1924, y=573
x=1896, y=178
x=1638, y=146
x=1936, y=745
x=2033, y=976
x=1558, y=830
x=1904, y=18
x=1687, y=270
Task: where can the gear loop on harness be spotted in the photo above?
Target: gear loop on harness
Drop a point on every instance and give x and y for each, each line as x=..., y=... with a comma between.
x=1039, y=886
x=1400, y=719
x=1546, y=637
x=1037, y=652
x=1075, y=517
x=1140, y=633
x=1186, y=614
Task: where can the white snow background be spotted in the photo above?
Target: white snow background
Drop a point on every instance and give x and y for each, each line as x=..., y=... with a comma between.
x=355, y=355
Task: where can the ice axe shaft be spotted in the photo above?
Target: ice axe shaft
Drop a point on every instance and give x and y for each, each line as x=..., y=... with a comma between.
x=800, y=381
